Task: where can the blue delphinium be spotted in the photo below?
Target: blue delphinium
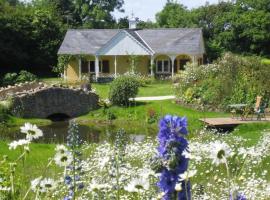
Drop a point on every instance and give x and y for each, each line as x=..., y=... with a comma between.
x=172, y=143
x=239, y=196
x=74, y=171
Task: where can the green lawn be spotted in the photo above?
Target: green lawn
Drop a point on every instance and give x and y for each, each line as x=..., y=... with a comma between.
x=158, y=88
x=134, y=117
x=155, y=89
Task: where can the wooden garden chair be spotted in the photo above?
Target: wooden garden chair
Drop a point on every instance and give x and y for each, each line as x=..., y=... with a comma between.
x=259, y=109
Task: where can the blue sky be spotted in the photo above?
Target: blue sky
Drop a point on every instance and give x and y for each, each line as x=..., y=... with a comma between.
x=146, y=9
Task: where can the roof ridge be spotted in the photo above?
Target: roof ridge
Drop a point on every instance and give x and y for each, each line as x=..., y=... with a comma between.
x=144, y=45
x=148, y=46
x=172, y=29
x=94, y=29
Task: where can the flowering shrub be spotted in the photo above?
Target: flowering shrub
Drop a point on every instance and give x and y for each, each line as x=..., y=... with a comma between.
x=231, y=79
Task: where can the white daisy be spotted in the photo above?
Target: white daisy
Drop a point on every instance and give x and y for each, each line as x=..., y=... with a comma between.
x=137, y=185
x=219, y=152
x=160, y=195
x=5, y=189
x=96, y=186
x=178, y=187
x=31, y=131
x=35, y=184
x=61, y=149
x=63, y=159
x=15, y=144
x=47, y=185
x=187, y=175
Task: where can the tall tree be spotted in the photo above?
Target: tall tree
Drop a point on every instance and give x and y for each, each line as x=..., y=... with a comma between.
x=174, y=15
x=96, y=14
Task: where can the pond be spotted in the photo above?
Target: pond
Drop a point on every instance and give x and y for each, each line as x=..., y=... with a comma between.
x=57, y=132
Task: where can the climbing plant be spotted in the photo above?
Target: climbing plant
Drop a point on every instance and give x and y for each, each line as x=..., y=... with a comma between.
x=62, y=63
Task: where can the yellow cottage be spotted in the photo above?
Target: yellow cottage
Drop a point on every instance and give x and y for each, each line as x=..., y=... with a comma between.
x=107, y=52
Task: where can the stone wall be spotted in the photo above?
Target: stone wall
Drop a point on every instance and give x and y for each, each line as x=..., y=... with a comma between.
x=49, y=100
x=5, y=92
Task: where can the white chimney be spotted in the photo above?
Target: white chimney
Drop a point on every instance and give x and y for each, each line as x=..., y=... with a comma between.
x=132, y=22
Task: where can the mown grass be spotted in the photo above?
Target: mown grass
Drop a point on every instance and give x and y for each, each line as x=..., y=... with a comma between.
x=135, y=116
x=16, y=121
x=157, y=88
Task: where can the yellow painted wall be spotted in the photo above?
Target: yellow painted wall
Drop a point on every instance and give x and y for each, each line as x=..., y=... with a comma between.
x=123, y=65
x=72, y=71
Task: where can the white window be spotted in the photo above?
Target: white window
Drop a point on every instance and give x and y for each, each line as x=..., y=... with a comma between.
x=163, y=66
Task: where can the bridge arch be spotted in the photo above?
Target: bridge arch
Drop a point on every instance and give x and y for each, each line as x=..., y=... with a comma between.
x=53, y=101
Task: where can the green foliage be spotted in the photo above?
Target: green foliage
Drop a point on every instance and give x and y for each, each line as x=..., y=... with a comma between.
x=266, y=61
x=240, y=27
x=23, y=76
x=32, y=32
x=110, y=115
x=231, y=79
x=30, y=35
x=3, y=114
x=152, y=116
x=142, y=79
x=62, y=63
x=174, y=15
x=122, y=89
x=9, y=79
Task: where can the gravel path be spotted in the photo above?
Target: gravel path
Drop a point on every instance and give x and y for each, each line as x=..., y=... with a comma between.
x=158, y=98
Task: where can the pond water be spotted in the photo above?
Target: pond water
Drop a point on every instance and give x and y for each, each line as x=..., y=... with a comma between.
x=57, y=132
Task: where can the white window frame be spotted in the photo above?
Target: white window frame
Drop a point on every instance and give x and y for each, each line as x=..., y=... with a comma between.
x=163, y=71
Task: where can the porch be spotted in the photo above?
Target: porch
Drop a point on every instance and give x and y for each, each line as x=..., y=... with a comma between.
x=111, y=66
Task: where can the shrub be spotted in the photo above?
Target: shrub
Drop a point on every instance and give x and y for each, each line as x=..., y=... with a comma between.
x=231, y=79
x=10, y=79
x=142, y=79
x=122, y=89
x=23, y=76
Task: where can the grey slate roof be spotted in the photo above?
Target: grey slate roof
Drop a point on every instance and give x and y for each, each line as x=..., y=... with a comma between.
x=161, y=41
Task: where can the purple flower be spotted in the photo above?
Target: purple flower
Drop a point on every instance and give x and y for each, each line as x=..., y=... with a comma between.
x=172, y=143
x=239, y=196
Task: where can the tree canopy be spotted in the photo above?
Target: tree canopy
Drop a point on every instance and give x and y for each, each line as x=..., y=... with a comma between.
x=241, y=27
x=31, y=33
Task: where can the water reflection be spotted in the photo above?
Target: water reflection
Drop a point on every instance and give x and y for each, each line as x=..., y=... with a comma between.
x=56, y=132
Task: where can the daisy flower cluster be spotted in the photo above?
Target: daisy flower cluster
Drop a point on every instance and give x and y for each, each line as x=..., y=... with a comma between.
x=227, y=169
x=131, y=177
x=31, y=132
x=220, y=167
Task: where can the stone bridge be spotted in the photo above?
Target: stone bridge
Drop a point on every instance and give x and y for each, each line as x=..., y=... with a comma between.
x=48, y=101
